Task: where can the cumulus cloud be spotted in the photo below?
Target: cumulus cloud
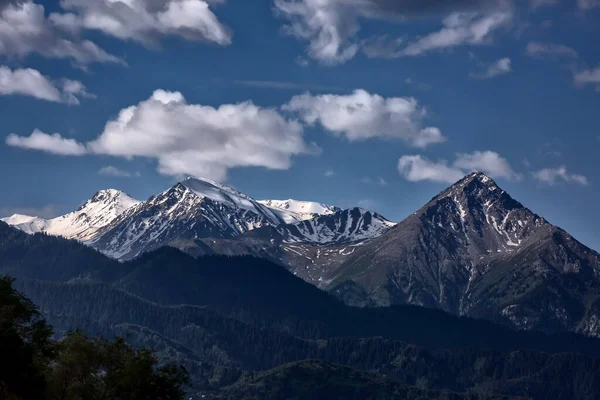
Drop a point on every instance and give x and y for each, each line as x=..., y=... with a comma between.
x=329, y=173
x=550, y=50
x=24, y=29
x=331, y=27
x=500, y=67
x=587, y=77
x=30, y=82
x=362, y=115
x=468, y=28
x=54, y=144
x=551, y=176
x=417, y=168
x=489, y=162
x=202, y=140
x=109, y=170
x=27, y=82
x=145, y=21
x=73, y=90
x=189, y=139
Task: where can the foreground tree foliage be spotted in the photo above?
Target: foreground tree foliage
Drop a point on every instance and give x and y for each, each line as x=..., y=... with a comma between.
x=32, y=366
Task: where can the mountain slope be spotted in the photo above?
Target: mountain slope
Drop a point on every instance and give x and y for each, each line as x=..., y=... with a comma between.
x=344, y=226
x=261, y=316
x=473, y=250
x=191, y=209
x=50, y=258
x=83, y=224
x=314, y=379
x=204, y=216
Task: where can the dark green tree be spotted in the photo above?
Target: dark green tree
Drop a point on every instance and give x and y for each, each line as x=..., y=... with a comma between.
x=95, y=368
x=26, y=347
x=77, y=367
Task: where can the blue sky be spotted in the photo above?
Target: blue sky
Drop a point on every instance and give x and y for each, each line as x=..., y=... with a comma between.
x=376, y=103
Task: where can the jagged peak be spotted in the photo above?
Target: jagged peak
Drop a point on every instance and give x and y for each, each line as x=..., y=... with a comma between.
x=107, y=197
x=107, y=194
x=474, y=183
x=206, y=187
x=478, y=177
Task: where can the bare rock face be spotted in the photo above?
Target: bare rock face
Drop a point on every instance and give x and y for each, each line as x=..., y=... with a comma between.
x=473, y=250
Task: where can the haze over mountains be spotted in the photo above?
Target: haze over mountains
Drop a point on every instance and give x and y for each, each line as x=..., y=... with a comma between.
x=472, y=250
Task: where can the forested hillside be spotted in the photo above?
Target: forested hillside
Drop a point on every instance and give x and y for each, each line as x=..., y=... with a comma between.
x=227, y=318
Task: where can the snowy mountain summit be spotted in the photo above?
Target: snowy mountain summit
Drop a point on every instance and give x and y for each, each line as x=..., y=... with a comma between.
x=84, y=223
x=199, y=209
x=295, y=211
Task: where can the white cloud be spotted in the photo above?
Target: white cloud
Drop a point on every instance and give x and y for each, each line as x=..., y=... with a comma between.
x=489, y=162
x=468, y=28
x=329, y=173
x=72, y=90
x=500, y=67
x=109, y=170
x=552, y=175
x=550, y=50
x=201, y=140
x=24, y=29
x=30, y=82
x=361, y=116
x=586, y=77
x=145, y=21
x=328, y=25
x=497, y=68
x=189, y=139
x=331, y=27
x=417, y=168
x=54, y=144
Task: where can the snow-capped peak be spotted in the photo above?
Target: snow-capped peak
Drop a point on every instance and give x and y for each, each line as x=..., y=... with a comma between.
x=475, y=184
x=294, y=210
x=221, y=193
x=82, y=224
x=208, y=187
x=17, y=219
x=26, y=223
x=216, y=191
x=111, y=201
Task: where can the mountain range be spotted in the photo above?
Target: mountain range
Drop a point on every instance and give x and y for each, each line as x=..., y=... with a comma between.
x=472, y=250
